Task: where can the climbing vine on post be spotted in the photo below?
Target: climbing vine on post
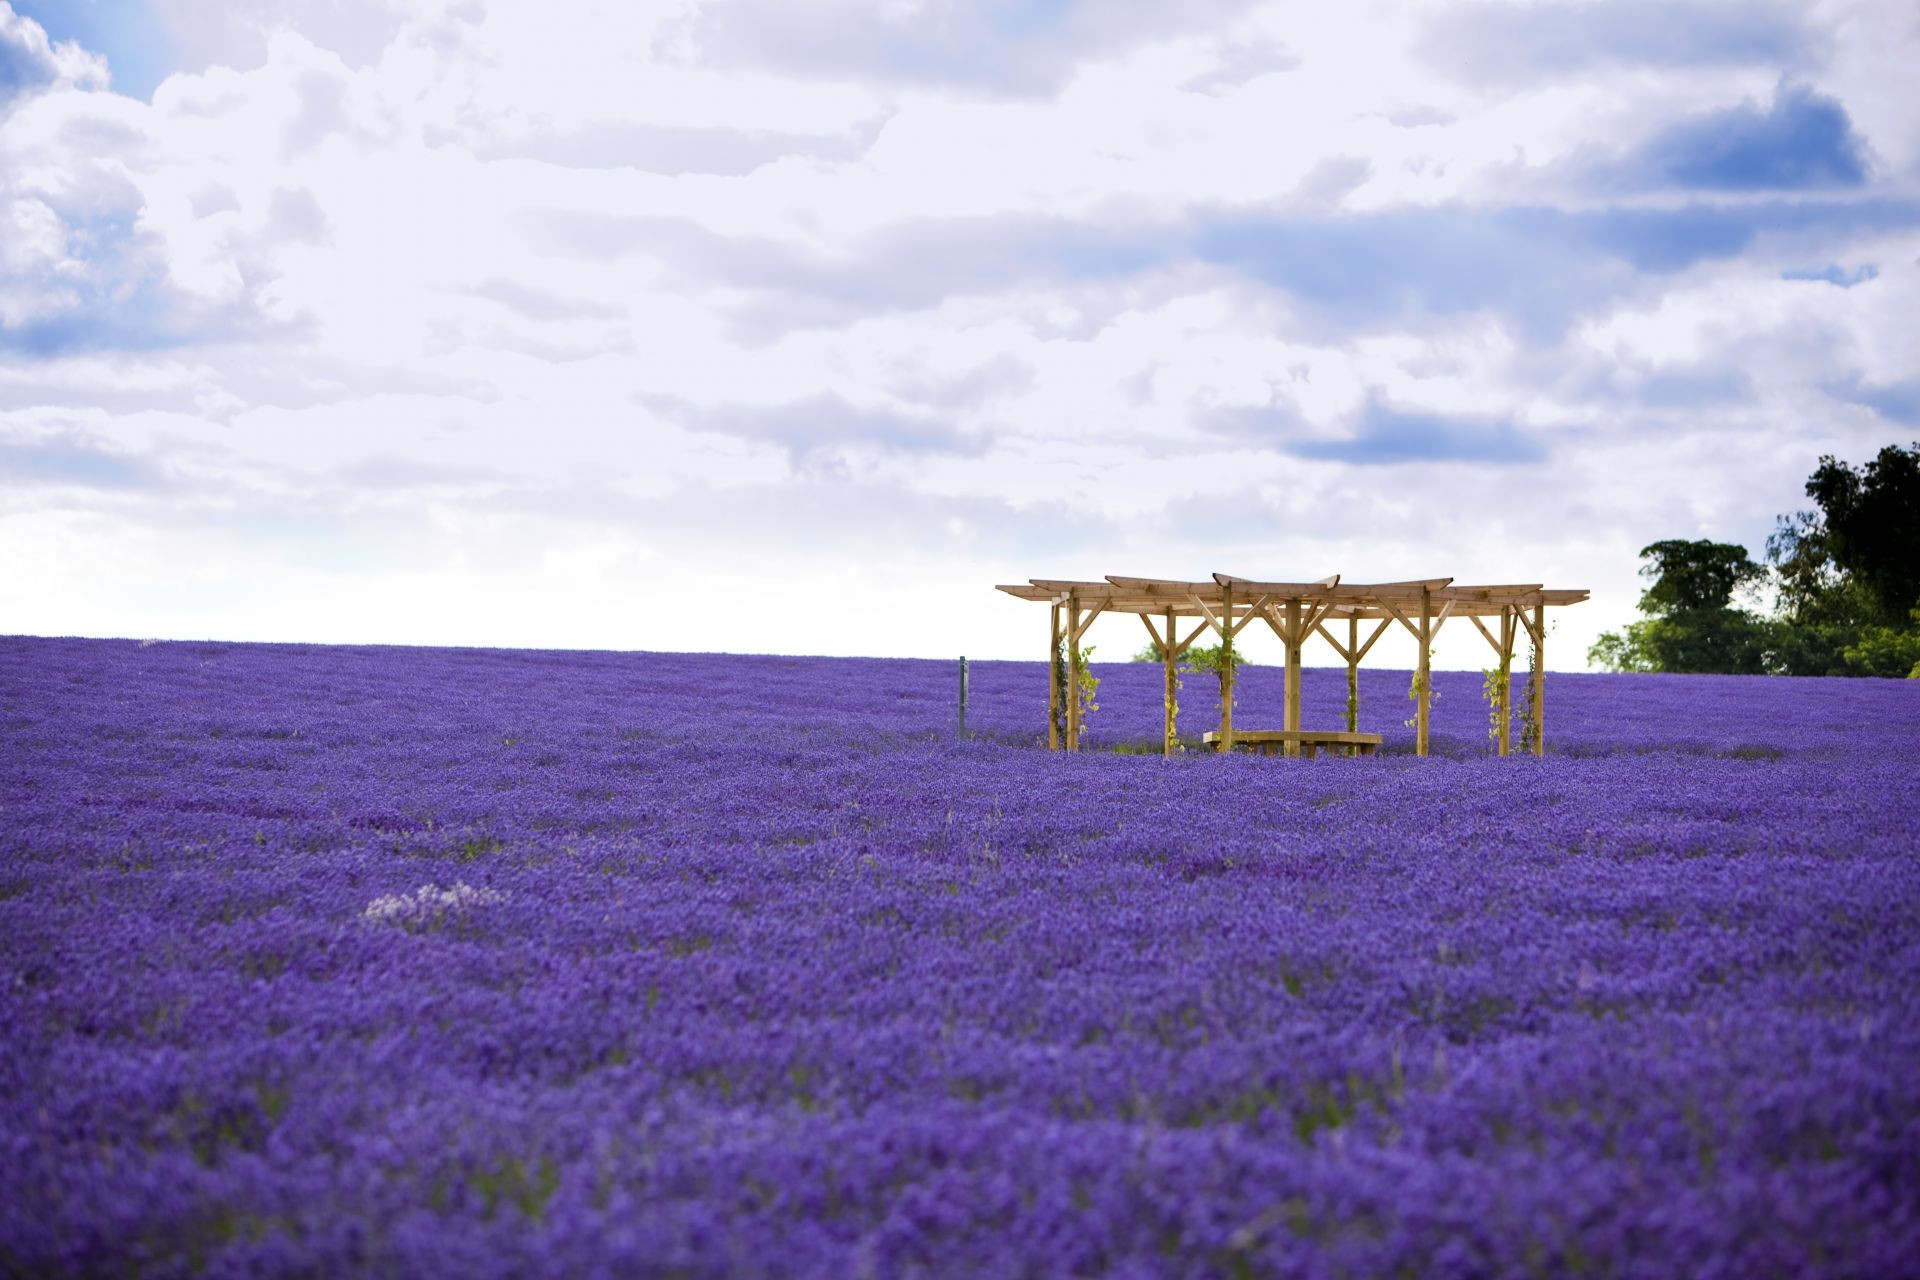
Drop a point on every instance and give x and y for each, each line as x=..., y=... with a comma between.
x=1059, y=710
x=1218, y=662
x=1496, y=688
x=1173, y=708
x=1089, y=685
x=1420, y=684
x=1528, y=722
x=1353, y=698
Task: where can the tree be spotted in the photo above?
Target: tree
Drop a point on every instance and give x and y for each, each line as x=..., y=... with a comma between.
x=1848, y=574
x=1691, y=624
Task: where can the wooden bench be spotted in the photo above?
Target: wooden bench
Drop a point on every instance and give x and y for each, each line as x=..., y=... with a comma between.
x=1269, y=741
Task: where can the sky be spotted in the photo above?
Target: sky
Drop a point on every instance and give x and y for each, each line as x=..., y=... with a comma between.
x=757, y=326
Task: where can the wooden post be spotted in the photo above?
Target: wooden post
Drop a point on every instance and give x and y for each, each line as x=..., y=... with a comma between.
x=1353, y=674
x=1226, y=669
x=1292, y=717
x=1507, y=626
x=1173, y=710
x=1423, y=675
x=1540, y=680
x=1053, y=682
x=1073, y=673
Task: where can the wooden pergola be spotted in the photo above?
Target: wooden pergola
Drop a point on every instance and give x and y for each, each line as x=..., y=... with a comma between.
x=1296, y=611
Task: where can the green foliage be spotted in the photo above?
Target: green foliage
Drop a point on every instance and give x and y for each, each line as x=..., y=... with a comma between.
x=1693, y=576
x=1497, y=689
x=1421, y=683
x=1887, y=651
x=1529, y=700
x=1210, y=661
x=1060, y=682
x=1626, y=650
x=1089, y=686
x=1691, y=623
x=1726, y=641
x=1218, y=661
x=1213, y=661
x=1847, y=576
x=1353, y=699
x=1869, y=526
x=509, y=1181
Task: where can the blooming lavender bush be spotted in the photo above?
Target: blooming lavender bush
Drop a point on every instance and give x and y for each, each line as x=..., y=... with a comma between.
x=413, y=962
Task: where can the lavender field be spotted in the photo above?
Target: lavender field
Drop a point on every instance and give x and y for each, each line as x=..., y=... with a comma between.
x=331, y=961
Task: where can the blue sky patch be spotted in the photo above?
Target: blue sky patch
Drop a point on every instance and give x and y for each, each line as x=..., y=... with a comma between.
x=1835, y=274
x=22, y=70
x=73, y=460
x=1894, y=401
x=127, y=33
x=1389, y=435
x=1803, y=141
x=1511, y=42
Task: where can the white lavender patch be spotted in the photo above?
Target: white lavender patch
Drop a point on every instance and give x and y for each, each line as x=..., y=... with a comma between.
x=429, y=907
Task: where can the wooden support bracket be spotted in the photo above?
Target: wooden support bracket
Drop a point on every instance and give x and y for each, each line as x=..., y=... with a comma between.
x=1255, y=610
x=1377, y=633
x=1278, y=627
x=1146, y=620
x=1086, y=622
x=1482, y=628
x=1207, y=613
x=1401, y=618
x=1346, y=654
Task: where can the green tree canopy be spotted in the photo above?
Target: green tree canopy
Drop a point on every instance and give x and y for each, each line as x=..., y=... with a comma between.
x=1691, y=624
x=1848, y=573
x=1694, y=576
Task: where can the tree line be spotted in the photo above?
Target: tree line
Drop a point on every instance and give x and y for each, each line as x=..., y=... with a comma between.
x=1844, y=577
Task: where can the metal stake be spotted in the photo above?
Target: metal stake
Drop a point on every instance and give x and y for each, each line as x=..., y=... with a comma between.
x=963, y=696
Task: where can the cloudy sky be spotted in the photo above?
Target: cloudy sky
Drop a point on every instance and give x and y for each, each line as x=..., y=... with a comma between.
x=775, y=326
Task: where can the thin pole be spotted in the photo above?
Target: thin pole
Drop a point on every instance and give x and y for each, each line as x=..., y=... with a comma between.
x=1423, y=675
x=1226, y=669
x=963, y=695
x=1173, y=707
x=1540, y=680
x=1053, y=682
x=1073, y=673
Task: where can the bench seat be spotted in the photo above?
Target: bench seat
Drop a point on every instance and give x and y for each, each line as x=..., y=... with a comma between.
x=1269, y=741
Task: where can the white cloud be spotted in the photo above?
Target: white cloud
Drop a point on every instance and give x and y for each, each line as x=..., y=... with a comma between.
x=439, y=323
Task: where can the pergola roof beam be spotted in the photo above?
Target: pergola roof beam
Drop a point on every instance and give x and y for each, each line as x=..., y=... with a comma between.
x=1283, y=590
x=1341, y=600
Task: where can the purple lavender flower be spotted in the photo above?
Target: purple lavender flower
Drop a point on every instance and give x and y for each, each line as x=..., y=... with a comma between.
x=389, y=961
